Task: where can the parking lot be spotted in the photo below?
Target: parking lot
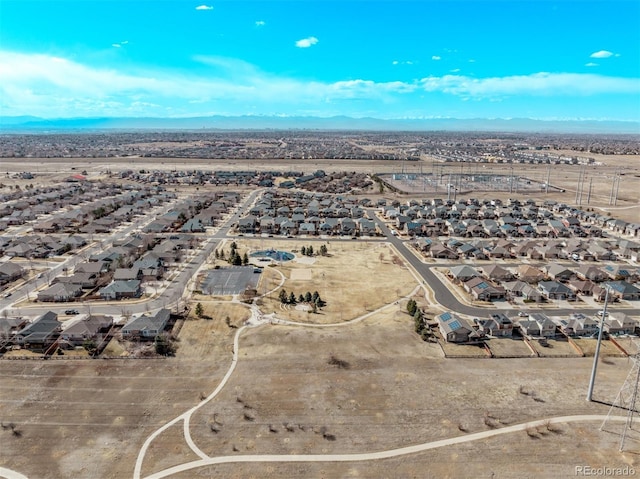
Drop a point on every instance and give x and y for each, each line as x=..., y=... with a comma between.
x=234, y=280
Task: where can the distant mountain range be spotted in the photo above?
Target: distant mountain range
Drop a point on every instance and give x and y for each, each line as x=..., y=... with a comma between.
x=31, y=124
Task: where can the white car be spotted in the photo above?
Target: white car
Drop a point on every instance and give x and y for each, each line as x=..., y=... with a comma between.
x=601, y=312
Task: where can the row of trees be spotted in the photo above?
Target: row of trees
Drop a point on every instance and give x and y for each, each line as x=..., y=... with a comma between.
x=311, y=298
x=419, y=323
x=308, y=251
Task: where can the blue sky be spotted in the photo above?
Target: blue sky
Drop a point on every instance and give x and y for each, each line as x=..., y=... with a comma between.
x=542, y=59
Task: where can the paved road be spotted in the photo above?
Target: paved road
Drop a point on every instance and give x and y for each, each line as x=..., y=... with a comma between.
x=372, y=456
x=441, y=291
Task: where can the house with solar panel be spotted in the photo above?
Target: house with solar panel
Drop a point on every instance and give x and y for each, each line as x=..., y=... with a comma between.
x=455, y=329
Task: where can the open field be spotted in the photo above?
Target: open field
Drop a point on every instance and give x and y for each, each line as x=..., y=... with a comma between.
x=88, y=418
x=546, y=454
x=353, y=278
x=387, y=389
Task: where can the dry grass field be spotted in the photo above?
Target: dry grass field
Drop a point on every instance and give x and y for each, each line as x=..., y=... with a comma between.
x=362, y=387
x=353, y=279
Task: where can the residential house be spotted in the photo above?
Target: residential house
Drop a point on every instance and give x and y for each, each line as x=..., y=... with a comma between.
x=121, y=289
x=591, y=272
x=529, y=274
x=146, y=326
x=496, y=272
x=623, y=290
x=619, y=323
x=498, y=325
x=583, y=287
x=523, y=290
x=41, y=333
x=463, y=273
x=9, y=326
x=556, y=290
x=60, y=292
x=10, y=272
x=455, y=329
x=558, y=272
x=577, y=324
x=484, y=290
x=87, y=328
x=537, y=325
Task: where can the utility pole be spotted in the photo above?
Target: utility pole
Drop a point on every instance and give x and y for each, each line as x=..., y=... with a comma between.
x=615, y=198
x=613, y=187
x=597, y=353
x=548, y=179
x=589, y=194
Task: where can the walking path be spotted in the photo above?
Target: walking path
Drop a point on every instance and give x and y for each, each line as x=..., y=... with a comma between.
x=386, y=454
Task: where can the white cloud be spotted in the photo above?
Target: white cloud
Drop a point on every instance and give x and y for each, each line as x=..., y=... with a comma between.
x=124, y=43
x=394, y=62
x=601, y=54
x=436, y=57
x=260, y=23
x=204, y=7
x=116, y=45
x=306, y=42
x=536, y=84
x=590, y=64
x=46, y=86
x=455, y=70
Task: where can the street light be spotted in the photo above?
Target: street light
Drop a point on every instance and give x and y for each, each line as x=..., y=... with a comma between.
x=597, y=353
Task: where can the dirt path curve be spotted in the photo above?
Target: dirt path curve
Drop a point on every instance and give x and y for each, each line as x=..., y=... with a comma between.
x=257, y=319
x=9, y=474
x=187, y=415
x=389, y=453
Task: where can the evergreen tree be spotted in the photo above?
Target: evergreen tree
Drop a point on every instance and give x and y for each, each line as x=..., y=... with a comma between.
x=292, y=298
x=301, y=298
x=307, y=297
x=411, y=307
x=245, y=259
x=237, y=260
x=283, y=296
x=323, y=250
x=315, y=296
x=310, y=251
x=303, y=251
x=199, y=310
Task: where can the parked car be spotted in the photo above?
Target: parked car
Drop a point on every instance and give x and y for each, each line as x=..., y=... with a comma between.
x=71, y=311
x=601, y=312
